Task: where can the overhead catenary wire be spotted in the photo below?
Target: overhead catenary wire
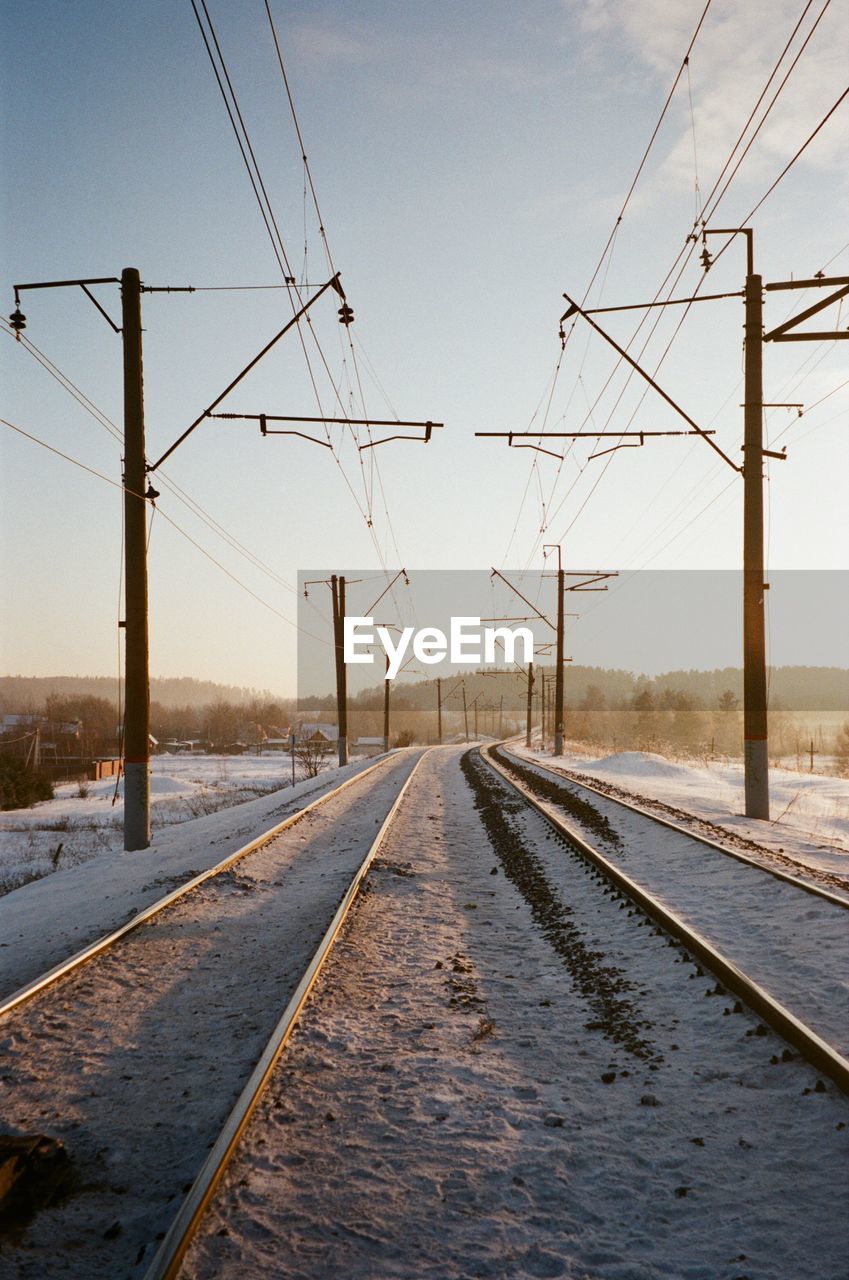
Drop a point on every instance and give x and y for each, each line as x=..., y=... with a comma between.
x=689, y=247
x=373, y=462
x=628, y=196
x=366, y=510
x=713, y=199
x=697, y=191
x=272, y=228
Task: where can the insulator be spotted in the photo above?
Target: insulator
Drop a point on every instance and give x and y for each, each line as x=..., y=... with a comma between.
x=707, y=262
x=346, y=314
x=18, y=320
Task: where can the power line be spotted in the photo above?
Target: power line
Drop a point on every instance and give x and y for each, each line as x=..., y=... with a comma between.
x=258, y=185
x=169, y=520
x=685, y=62
x=754, y=110
x=608, y=248
x=374, y=463
x=795, y=157
x=254, y=173
x=373, y=460
x=261, y=194
x=689, y=247
x=180, y=494
x=65, y=382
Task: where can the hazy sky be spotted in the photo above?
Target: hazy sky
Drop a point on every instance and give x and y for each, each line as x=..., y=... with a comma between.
x=470, y=161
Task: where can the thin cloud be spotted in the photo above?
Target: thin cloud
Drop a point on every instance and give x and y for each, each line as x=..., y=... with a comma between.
x=734, y=55
x=439, y=60
x=321, y=43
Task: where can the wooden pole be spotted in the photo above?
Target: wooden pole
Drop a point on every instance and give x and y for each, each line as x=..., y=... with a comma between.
x=137, y=695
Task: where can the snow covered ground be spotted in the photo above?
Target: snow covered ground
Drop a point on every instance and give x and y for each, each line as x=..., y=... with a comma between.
x=486, y=1085
x=81, y=822
x=810, y=812
x=49, y=918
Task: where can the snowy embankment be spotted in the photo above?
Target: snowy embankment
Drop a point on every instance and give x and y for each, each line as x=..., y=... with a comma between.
x=85, y=820
x=50, y=917
x=810, y=812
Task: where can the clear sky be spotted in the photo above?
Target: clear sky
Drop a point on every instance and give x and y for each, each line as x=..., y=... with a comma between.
x=470, y=161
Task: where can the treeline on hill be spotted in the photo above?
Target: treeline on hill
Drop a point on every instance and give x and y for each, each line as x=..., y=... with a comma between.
x=686, y=712
x=790, y=688
x=689, y=711
x=29, y=693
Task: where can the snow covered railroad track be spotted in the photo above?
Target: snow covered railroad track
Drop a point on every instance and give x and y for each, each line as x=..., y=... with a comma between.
x=138, y=918
x=784, y=952
x=564, y=786
x=732, y=843
x=500, y=1074
x=134, y=1062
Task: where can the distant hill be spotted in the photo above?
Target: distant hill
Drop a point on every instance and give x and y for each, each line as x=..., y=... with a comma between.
x=790, y=688
x=24, y=693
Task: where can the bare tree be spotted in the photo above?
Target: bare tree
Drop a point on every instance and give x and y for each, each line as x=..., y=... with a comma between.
x=309, y=756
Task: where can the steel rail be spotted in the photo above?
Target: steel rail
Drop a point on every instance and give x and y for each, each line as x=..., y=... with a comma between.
x=815, y=889
x=813, y=1048
x=166, y=1263
x=109, y=939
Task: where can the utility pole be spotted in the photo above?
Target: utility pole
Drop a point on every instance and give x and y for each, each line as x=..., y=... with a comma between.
x=558, y=679
x=530, y=714
x=337, y=583
x=542, y=724
x=386, y=707
x=439, y=710
x=137, y=688
x=590, y=579
x=136, y=741
x=501, y=717
x=439, y=701
x=337, y=587
x=465, y=716
x=755, y=730
x=756, y=749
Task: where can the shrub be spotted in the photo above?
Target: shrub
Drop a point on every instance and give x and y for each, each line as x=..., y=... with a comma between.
x=20, y=786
